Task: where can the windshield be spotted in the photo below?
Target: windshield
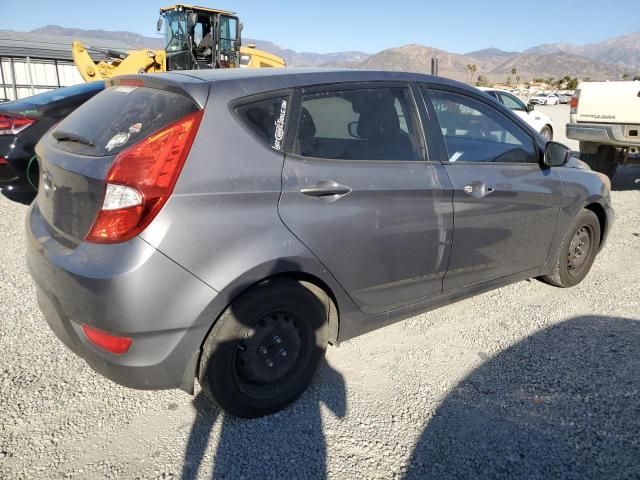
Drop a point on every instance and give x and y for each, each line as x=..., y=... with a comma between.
x=175, y=28
x=228, y=33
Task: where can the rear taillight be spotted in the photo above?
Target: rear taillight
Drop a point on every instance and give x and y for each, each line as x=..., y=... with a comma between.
x=13, y=125
x=574, y=102
x=141, y=180
x=106, y=341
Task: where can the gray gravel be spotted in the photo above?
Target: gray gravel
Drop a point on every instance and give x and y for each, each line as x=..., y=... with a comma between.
x=526, y=381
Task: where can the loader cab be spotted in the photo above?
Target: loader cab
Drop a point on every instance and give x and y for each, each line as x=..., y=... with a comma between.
x=200, y=38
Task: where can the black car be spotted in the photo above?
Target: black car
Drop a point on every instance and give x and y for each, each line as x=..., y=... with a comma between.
x=22, y=123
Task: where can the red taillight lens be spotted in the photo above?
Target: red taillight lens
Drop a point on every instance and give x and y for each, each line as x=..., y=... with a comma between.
x=141, y=180
x=574, y=102
x=13, y=125
x=106, y=341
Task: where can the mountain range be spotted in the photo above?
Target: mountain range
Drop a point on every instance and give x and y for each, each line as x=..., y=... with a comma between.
x=606, y=60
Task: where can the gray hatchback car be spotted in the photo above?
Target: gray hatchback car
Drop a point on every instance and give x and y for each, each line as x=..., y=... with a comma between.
x=227, y=226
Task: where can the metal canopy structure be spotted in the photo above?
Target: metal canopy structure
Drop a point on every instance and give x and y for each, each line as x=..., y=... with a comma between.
x=32, y=63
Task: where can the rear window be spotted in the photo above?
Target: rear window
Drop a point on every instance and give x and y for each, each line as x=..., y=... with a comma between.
x=63, y=93
x=267, y=119
x=119, y=117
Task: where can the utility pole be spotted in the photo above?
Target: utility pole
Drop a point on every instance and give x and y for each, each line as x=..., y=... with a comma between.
x=434, y=66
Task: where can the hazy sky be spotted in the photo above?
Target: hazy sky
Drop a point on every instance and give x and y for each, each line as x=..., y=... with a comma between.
x=332, y=25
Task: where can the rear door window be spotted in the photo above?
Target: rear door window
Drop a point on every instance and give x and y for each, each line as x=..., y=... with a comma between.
x=119, y=117
x=266, y=118
x=358, y=124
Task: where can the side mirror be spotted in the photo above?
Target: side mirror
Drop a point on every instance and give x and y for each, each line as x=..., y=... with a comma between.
x=192, y=19
x=556, y=154
x=159, y=24
x=531, y=107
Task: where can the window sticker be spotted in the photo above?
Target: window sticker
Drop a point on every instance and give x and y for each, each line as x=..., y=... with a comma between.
x=117, y=140
x=279, y=132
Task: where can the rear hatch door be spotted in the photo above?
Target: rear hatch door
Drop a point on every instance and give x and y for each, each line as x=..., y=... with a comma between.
x=75, y=156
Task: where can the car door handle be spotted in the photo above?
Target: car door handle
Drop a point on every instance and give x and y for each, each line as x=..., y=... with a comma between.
x=478, y=189
x=325, y=188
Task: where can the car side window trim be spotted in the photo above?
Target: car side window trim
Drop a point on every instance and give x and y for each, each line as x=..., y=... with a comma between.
x=413, y=111
x=426, y=88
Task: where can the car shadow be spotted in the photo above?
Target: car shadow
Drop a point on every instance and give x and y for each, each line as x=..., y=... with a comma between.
x=23, y=197
x=562, y=403
x=626, y=178
x=288, y=444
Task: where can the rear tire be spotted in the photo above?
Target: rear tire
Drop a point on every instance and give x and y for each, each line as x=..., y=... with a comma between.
x=263, y=351
x=577, y=251
x=603, y=160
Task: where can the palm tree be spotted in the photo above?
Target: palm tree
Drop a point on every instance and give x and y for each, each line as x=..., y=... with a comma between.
x=471, y=71
x=514, y=71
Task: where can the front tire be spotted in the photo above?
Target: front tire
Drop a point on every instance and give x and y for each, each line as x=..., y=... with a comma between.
x=577, y=251
x=263, y=351
x=547, y=133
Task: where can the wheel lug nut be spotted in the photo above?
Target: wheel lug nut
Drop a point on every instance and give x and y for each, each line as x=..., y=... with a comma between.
x=263, y=350
x=283, y=352
x=269, y=363
x=277, y=339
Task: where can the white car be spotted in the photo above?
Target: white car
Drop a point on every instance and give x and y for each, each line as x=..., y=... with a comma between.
x=539, y=121
x=545, y=99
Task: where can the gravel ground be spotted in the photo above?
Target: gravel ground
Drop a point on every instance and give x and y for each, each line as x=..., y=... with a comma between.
x=525, y=381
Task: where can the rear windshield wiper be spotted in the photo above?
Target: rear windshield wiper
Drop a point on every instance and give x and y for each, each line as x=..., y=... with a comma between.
x=71, y=137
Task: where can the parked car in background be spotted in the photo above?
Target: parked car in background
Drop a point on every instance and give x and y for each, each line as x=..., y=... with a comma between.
x=230, y=236
x=562, y=98
x=605, y=119
x=22, y=123
x=539, y=121
x=545, y=99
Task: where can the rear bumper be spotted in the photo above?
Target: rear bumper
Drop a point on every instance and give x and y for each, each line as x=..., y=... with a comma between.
x=128, y=289
x=616, y=135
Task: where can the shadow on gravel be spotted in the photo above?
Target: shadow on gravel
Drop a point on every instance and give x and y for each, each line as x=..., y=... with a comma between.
x=25, y=198
x=564, y=403
x=626, y=178
x=287, y=445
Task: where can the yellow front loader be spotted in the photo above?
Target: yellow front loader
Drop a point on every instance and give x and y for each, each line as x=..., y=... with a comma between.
x=195, y=38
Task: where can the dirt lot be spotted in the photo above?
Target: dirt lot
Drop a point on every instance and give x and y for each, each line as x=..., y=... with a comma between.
x=525, y=381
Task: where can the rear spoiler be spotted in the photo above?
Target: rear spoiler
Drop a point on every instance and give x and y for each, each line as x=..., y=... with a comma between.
x=192, y=87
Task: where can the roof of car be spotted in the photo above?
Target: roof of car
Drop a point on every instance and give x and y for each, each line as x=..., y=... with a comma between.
x=300, y=76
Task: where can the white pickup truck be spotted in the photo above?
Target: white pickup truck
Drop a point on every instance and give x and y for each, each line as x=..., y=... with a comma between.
x=605, y=118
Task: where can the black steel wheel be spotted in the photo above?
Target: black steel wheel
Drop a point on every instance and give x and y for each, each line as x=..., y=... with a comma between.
x=265, y=348
x=577, y=252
